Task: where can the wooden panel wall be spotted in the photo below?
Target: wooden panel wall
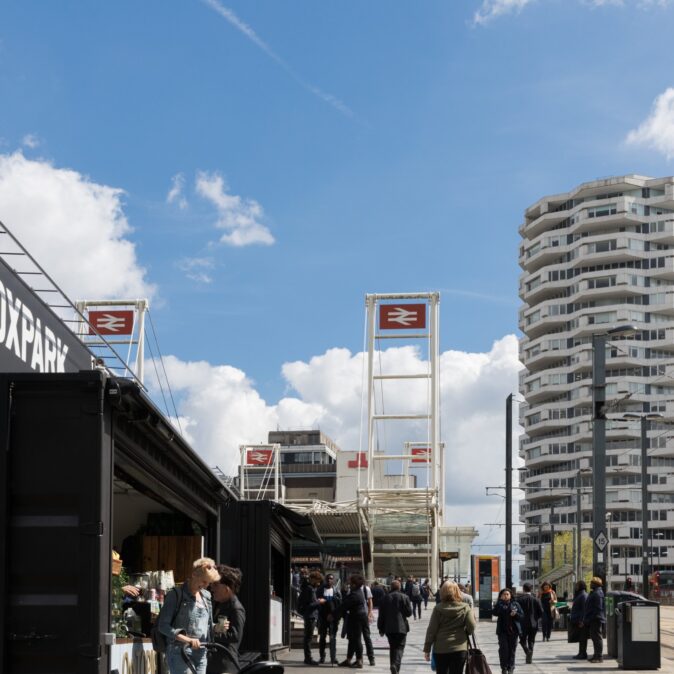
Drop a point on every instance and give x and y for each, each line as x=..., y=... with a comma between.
x=171, y=553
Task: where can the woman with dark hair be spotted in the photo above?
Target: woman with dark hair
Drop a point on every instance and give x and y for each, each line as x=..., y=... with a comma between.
x=576, y=619
x=229, y=617
x=354, y=610
x=508, y=629
x=548, y=601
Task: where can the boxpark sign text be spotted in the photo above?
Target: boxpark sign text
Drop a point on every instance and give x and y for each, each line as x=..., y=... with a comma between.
x=32, y=337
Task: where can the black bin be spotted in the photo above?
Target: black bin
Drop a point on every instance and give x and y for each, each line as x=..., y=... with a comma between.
x=638, y=634
x=613, y=598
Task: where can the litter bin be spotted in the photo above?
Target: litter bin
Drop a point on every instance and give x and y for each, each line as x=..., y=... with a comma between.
x=638, y=634
x=612, y=599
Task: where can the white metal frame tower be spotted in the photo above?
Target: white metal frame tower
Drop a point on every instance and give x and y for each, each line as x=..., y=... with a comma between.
x=135, y=338
x=269, y=468
x=376, y=502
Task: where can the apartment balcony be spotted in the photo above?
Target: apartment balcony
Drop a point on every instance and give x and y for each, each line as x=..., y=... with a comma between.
x=666, y=271
x=543, y=290
x=543, y=223
x=546, y=254
x=665, y=344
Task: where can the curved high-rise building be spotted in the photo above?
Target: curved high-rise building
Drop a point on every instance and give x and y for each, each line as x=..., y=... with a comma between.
x=595, y=258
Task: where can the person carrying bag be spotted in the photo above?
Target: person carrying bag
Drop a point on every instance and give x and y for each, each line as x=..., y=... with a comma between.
x=476, y=663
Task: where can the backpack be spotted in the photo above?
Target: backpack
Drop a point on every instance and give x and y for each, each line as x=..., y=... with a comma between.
x=159, y=641
x=416, y=591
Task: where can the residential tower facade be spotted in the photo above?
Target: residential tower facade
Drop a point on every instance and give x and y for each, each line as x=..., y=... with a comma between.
x=595, y=258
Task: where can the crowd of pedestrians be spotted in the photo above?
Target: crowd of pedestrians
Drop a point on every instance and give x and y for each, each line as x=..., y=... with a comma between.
x=519, y=618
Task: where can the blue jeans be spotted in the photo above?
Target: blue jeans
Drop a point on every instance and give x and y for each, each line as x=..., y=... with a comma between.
x=177, y=665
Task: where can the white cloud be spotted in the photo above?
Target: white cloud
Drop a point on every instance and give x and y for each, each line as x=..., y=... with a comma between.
x=30, y=140
x=197, y=268
x=656, y=132
x=175, y=194
x=73, y=227
x=240, y=218
x=222, y=409
x=492, y=9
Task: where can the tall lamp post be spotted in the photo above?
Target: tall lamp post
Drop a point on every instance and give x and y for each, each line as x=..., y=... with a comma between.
x=509, y=493
x=600, y=539
x=644, y=420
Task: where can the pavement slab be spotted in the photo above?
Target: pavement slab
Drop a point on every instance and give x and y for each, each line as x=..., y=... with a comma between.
x=552, y=657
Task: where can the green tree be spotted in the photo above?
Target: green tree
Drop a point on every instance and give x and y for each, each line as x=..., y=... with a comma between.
x=565, y=548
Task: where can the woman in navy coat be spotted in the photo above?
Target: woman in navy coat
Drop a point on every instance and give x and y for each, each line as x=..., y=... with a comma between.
x=508, y=629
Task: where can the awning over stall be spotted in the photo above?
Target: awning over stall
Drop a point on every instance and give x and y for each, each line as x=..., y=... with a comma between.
x=153, y=457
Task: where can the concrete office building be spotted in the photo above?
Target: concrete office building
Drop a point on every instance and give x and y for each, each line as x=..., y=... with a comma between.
x=598, y=257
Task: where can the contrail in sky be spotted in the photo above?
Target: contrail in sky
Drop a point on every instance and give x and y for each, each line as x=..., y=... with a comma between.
x=244, y=28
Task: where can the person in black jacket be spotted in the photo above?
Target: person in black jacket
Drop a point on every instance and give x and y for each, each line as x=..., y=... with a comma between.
x=533, y=611
x=354, y=611
x=576, y=619
x=508, y=629
x=328, y=617
x=594, y=617
x=394, y=610
x=229, y=618
x=307, y=605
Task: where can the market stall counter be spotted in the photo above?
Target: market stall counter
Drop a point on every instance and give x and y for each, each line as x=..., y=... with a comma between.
x=89, y=461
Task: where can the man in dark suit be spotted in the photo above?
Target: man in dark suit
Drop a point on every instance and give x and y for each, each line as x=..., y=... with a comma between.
x=308, y=605
x=533, y=611
x=595, y=616
x=328, y=617
x=394, y=610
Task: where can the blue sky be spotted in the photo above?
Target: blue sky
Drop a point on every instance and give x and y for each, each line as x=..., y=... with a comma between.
x=455, y=128
x=376, y=146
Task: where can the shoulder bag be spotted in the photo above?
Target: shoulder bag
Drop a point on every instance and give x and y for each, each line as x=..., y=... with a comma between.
x=476, y=662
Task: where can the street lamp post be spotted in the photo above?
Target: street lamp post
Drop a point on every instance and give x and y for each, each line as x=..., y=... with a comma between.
x=509, y=493
x=599, y=446
x=643, y=421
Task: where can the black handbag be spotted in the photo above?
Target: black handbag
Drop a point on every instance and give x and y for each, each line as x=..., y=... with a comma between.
x=476, y=662
x=574, y=633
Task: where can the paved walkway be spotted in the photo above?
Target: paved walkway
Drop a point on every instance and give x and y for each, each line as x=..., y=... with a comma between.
x=553, y=657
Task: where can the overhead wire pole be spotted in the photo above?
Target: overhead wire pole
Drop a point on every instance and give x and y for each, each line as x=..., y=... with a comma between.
x=598, y=453
x=438, y=507
x=371, y=328
x=509, y=492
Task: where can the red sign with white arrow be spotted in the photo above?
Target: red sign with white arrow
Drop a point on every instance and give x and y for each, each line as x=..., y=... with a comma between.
x=111, y=322
x=424, y=454
x=402, y=316
x=260, y=457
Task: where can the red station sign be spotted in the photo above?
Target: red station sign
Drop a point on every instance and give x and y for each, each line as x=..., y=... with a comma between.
x=260, y=457
x=402, y=316
x=424, y=454
x=111, y=322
